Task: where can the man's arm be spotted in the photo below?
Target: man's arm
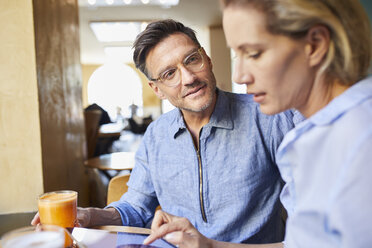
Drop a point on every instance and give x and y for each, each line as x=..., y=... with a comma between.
x=98, y=217
x=137, y=206
x=87, y=217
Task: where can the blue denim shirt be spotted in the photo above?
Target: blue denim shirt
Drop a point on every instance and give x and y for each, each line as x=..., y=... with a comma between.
x=236, y=186
x=326, y=162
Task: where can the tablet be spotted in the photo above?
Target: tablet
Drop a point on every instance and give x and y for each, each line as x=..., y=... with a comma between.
x=93, y=238
x=134, y=240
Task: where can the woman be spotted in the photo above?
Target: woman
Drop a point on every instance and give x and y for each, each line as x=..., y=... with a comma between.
x=311, y=55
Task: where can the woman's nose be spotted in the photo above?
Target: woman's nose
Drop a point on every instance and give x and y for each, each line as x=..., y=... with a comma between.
x=242, y=74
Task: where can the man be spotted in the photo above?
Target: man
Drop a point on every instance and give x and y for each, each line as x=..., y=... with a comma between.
x=211, y=160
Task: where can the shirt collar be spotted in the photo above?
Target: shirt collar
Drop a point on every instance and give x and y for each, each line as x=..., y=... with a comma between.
x=337, y=107
x=221, y=116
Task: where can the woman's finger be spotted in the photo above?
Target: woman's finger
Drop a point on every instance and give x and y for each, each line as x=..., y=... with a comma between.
x=158, y=233
x=160, y=218
x=174, y=224
x=182, y=239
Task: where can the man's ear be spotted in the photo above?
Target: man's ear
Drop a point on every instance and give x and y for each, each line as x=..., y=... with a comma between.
x=318, y=40
x=156, y=90
x=210, y=62
x=208, y=59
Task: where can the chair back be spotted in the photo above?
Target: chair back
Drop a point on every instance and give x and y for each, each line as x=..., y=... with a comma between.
x=91, y=118
x=117, y=187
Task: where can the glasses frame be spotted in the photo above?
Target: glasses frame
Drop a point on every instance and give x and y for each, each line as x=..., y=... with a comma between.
x=200, y=51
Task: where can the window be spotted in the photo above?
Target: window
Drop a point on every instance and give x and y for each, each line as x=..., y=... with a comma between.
x=166, y=106
x=236, y=88
x=114, y=85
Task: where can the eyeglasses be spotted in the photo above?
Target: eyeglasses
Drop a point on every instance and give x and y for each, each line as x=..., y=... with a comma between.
x=194, y=62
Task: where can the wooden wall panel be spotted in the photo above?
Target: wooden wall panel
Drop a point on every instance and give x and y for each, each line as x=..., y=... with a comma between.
x=221, y=58
x=59, y=86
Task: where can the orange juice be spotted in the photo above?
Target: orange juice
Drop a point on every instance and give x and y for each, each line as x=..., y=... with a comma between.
x=59, y=208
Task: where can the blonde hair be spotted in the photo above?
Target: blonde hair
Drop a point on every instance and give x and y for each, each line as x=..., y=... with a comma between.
x=350, y=48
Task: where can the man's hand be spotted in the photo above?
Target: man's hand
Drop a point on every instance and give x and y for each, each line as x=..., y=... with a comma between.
x=83, y=217
x=176, y=230
x=36, y=219
x=87, y=217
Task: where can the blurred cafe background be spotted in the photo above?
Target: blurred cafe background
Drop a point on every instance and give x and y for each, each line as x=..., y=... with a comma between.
x=72, y=104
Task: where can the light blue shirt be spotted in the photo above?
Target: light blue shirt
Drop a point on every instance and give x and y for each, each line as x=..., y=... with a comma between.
x=326, y=163
x=238, y=178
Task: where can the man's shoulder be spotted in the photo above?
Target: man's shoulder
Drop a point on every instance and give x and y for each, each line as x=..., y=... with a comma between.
x=241, y=105
x=245, y=103
x=164, y=121
x=240, y=98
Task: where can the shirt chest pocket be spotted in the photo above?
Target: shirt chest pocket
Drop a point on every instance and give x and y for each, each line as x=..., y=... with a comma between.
x=174, y=175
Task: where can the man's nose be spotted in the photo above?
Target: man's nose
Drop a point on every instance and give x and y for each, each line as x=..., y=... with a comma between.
x=187, y=76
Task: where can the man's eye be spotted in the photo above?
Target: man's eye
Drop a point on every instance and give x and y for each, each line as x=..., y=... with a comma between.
x=168, y=74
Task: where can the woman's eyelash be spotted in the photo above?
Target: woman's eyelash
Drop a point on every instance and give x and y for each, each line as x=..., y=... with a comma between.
x=253, y=55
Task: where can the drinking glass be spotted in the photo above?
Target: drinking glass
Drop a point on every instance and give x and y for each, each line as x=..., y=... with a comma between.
x=59, y=208
x=41, y=236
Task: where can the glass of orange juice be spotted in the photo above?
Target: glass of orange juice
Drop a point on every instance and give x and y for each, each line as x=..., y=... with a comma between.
x=59, y=208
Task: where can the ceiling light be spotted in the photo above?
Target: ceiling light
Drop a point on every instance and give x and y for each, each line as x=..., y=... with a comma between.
x=116, y=31
x=168, y=2
x=99, y=3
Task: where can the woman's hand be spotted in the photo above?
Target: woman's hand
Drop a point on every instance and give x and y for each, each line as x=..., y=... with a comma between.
x=176, y=230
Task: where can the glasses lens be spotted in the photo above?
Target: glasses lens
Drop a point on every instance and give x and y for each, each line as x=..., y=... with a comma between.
x=171, y=77
x=194, y=63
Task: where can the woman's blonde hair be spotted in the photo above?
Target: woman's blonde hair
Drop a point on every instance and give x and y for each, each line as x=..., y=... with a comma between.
x=350, y=49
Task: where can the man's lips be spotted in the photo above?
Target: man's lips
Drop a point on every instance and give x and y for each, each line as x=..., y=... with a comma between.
x=194, y=90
